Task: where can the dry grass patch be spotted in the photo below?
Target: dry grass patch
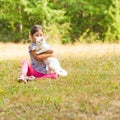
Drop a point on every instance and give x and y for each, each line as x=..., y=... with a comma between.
x=12, y=51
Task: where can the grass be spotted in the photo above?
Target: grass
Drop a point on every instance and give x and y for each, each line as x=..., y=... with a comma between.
x=91, y=91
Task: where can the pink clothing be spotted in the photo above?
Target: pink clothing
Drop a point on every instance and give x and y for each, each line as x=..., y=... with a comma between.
x=29, y=71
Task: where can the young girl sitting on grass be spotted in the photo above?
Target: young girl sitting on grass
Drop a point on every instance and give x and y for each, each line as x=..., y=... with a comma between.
x=37, y=68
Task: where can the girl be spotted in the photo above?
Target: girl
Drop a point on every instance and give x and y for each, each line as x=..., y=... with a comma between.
x=37, y=68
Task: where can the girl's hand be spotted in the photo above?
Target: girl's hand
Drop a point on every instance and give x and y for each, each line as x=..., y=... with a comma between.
x=43, y=55
x=48, y=52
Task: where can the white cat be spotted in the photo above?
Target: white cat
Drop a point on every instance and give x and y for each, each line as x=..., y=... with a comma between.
x=52, y=63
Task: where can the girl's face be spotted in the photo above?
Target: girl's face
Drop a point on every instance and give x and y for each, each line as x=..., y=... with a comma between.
x=39, y=33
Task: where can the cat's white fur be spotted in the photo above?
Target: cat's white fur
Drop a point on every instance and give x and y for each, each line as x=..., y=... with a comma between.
x=52, y=63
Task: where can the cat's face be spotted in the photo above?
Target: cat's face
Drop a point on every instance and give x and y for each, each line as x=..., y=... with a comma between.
x=40, y=40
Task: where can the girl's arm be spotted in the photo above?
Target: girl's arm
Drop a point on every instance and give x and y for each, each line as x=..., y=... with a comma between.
x=43, y=55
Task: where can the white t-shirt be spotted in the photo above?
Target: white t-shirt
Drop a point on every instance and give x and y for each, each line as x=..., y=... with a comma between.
x=39, y=66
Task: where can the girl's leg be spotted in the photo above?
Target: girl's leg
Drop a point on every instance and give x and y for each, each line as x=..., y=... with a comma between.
x=27, y=68
x=52, y=75
x=41, y=75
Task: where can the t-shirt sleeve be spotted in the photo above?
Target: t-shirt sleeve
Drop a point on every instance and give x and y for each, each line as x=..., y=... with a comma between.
x=31, y=47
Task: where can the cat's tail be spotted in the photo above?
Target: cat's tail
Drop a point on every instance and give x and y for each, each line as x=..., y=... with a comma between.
x=62, y=72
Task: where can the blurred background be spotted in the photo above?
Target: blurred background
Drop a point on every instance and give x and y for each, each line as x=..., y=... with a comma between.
x=64, y=21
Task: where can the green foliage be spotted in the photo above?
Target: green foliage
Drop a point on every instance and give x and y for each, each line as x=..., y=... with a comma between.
x=101, y=17
x=113, y=25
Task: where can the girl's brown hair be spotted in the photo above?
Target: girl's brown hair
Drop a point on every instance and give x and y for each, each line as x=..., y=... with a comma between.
x=35, y=28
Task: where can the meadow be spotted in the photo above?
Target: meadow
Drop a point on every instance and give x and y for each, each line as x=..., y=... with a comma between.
x=91, y=91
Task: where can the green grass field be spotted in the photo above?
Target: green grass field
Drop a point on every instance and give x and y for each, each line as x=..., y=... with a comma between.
x=91, y=91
